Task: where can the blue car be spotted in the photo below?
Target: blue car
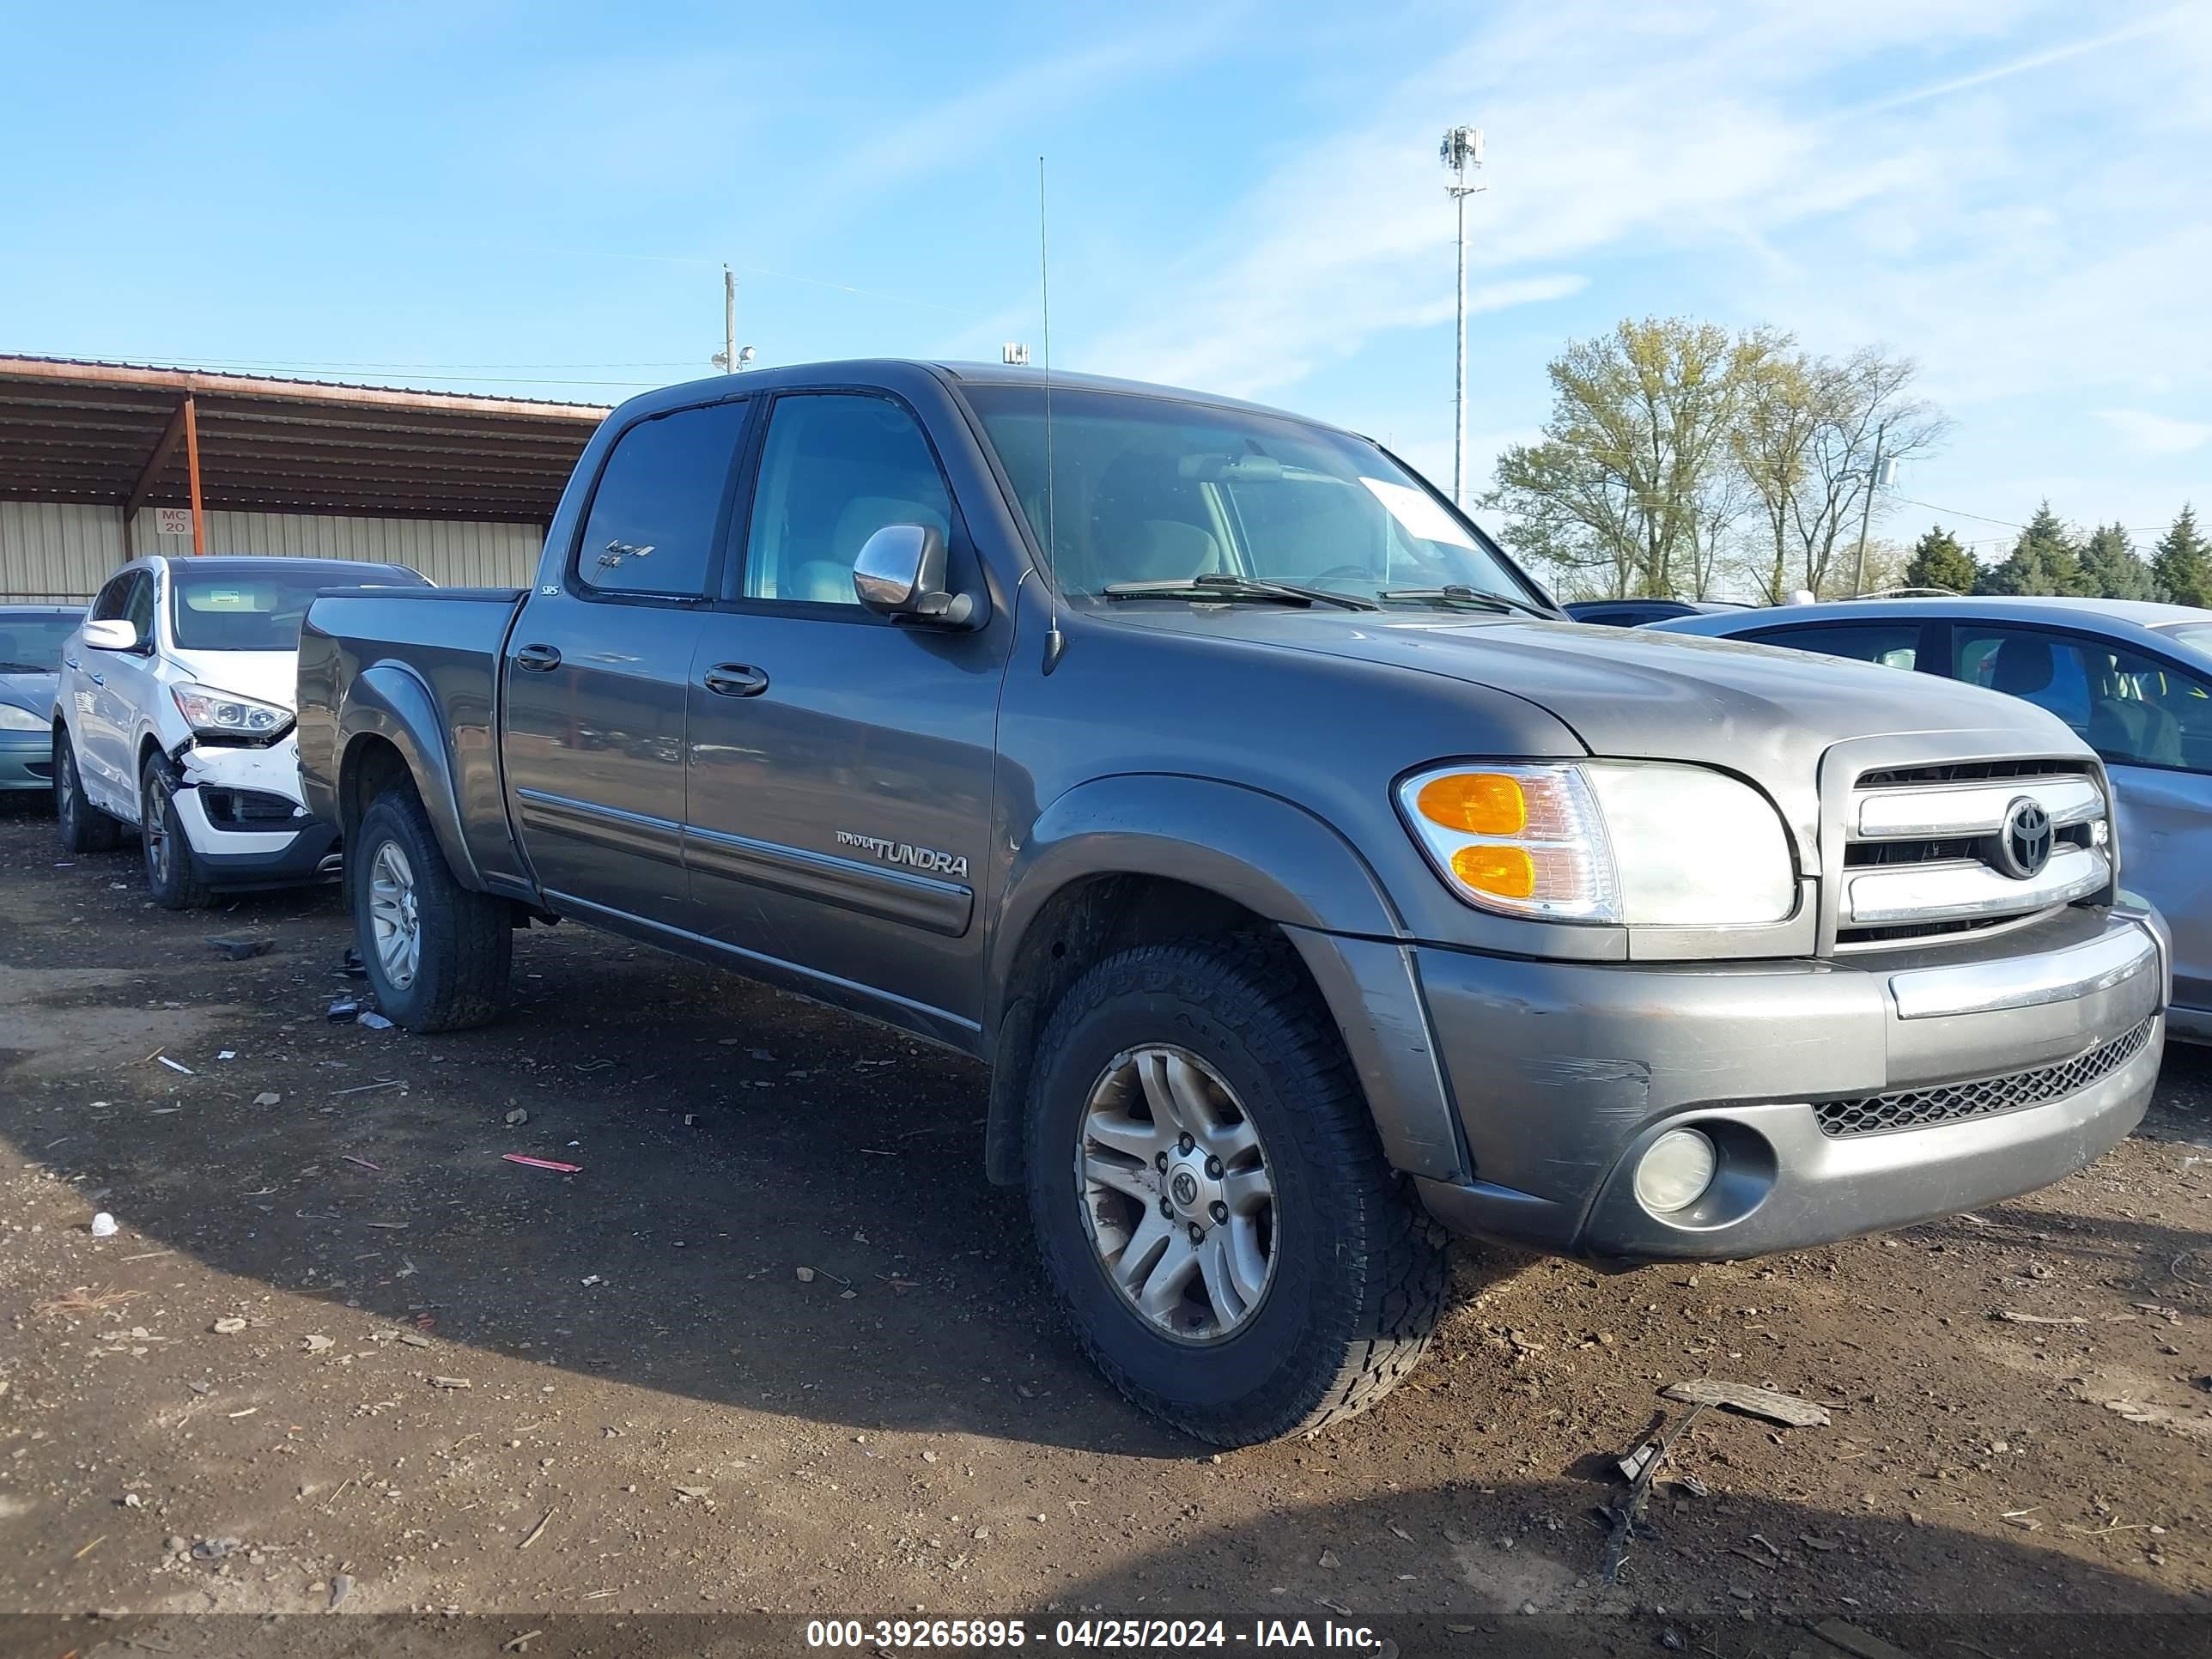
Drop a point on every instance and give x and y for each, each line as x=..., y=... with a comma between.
x=31, y=638
x=2133, y=680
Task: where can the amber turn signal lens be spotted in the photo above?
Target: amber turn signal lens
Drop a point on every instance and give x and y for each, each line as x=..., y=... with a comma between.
x=1508, y=871
x=1476, y=803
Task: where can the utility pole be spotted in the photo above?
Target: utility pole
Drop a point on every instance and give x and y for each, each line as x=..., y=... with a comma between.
x=729, y=321
x=1874, y=476
x=1461, y=155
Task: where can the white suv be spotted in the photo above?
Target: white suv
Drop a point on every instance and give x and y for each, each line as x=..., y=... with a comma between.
x=174, y=715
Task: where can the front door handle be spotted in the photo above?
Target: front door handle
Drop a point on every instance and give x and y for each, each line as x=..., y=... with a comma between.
x=100, y=679
x=537, y=659
x=71, y=662
x=736, y=679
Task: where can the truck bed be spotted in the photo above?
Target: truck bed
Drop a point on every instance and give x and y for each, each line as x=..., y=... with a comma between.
x=413, y=668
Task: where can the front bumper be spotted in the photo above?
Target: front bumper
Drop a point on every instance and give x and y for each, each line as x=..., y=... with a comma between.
x=230, y=855
x=26, y=761
x=1563, y=1074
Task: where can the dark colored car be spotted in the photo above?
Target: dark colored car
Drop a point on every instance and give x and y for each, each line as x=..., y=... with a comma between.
x=1302, y=876
x=1634, y=613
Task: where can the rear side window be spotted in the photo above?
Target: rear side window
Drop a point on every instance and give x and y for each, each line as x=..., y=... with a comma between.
x=656, y=517
x=1892, y=645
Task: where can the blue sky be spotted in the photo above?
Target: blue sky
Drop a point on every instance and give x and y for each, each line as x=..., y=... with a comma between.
x=1244, y=197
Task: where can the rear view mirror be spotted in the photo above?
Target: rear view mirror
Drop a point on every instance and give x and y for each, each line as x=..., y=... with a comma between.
x=900, y=573
x=112, y=636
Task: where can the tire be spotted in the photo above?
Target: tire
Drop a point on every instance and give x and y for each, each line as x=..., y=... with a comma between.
x=172, y=874
x=1353, y=1277
x=457, y=977
x=83, y=828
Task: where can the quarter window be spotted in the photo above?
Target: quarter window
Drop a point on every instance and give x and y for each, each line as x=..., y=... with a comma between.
x=138, y=609
x=836, y=468
x=653, y=529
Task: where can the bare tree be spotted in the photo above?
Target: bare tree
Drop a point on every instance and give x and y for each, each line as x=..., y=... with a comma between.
x=1810, y=432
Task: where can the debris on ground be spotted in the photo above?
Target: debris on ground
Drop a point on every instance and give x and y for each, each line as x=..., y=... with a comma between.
x=267, y=1098
x=230, y=1326
x=341, y=1587
x=1626, y=1519
x=351, y=966
x=2013, y=1318
x=215, y=1549
x=451, y=1383
x=343, y=1010
x=1751, y=1401
x=318, y=1344
x=516, y=1118
x=176, y=1066
x=373, y=1021
x=806, y=1275
x=239, y=947
x=1861, y=1644
x=103, y=1225
x=552, y=1163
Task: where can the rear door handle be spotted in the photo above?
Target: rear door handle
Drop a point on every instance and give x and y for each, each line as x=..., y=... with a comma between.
x=736, y=679
x=537, y=659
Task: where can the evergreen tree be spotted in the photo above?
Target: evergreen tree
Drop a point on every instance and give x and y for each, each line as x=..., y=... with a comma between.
x=2043, y=561
x=2110, y=569
x=1938, y=560
x=2181, y=565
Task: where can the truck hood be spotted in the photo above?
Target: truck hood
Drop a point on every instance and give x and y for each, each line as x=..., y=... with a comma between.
x=272, y=676
x=1766, y=714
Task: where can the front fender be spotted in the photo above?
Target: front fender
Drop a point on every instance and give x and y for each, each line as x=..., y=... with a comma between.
x=390, y=701
x=1283, y=863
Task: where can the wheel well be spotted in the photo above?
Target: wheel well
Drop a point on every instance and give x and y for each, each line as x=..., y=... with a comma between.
x=150, y=744
x=1081, y=923
x=372, y=765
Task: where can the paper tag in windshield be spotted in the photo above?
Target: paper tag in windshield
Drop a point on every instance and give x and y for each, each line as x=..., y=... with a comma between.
x=1416, y=514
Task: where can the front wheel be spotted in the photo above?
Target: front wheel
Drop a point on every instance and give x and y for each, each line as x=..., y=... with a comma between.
x=172, y=874
x=1211, y=1203
x=438, y=954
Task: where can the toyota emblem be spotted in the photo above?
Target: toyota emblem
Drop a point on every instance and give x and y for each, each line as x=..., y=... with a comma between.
x=2024, y=843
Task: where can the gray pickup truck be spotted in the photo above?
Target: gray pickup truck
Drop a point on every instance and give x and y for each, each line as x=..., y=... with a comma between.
x=1305, y=878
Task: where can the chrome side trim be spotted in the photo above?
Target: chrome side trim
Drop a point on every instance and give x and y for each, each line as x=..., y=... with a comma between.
x=1978, y=809
x=925, y=902
x=635, y=833
x=1958, y=889
x=2025, y=982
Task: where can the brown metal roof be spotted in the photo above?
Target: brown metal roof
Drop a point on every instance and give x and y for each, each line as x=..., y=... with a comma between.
x=75, y=431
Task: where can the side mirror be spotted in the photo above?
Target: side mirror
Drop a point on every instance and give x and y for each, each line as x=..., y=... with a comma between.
x=900, y=574
x=111, y=636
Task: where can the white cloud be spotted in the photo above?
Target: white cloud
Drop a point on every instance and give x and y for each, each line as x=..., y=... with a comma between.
x=2157, y=435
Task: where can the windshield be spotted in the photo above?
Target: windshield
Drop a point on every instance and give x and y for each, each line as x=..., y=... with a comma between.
x=1151, y=489
x=32, y=644
x=260, y=607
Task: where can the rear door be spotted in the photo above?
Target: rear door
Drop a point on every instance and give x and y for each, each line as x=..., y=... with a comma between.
x=840, y=767
x=596, y=670
x=2151, y=720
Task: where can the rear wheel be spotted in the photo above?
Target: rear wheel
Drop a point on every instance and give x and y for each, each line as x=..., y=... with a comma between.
x=173, y=875
x=1234, y=1250
x=438, y=954
x=82, y=826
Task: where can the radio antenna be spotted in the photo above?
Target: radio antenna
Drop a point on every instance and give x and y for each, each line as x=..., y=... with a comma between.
x=1053, y=643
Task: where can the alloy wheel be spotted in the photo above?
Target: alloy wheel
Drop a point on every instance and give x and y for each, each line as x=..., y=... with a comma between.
x=395, y=926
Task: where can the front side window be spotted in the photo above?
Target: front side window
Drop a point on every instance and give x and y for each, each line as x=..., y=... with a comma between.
x=836, y=468
x=2132, y=710
x=1148, y=489
x=1893, y=645
x=257, y=606
x=109, y=606
x=138, y=607
x=656, y=516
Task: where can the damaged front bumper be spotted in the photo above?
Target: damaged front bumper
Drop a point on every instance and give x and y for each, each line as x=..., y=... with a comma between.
x=243, y=817
x=1839, y=1097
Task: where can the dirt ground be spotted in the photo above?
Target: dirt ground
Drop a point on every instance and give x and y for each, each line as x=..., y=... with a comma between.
x=778, y=1349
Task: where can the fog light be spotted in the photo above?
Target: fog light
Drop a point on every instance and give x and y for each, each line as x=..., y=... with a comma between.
x=1675, y=1174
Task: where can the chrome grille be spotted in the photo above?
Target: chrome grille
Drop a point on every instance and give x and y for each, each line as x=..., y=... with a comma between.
x=1916, y=1108
x=1921, y=855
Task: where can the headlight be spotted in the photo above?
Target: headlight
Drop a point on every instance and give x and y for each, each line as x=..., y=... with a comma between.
x=1604, y=840
x=224, y=715
x=13, y=719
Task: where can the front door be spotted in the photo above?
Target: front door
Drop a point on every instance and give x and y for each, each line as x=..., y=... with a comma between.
x=595, y=672
x=2151, y=720
x=110, y=687
x=840, y=767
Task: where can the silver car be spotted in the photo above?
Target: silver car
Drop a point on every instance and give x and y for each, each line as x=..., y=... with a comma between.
x=2134, y=680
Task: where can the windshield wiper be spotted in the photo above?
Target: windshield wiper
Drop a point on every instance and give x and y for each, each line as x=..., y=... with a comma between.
x=1459, y=593
x=1222, y=586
